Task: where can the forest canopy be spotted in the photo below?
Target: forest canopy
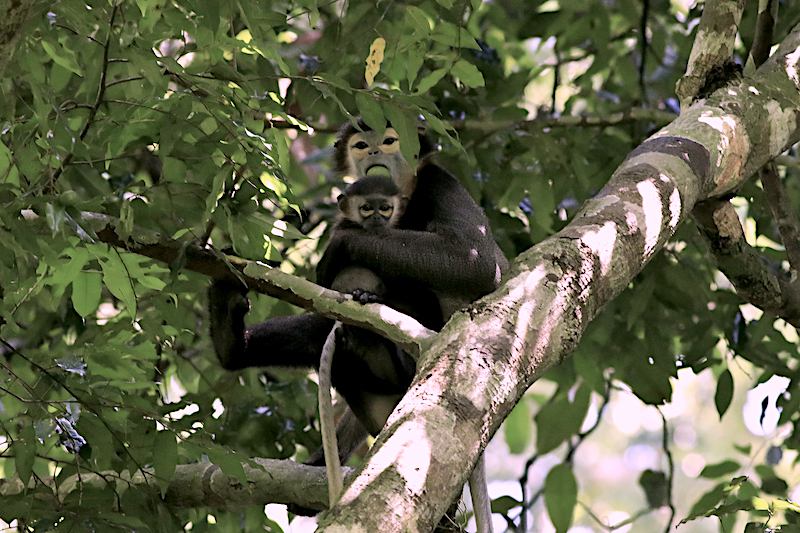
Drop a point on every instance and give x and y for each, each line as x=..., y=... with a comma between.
x=148, y=146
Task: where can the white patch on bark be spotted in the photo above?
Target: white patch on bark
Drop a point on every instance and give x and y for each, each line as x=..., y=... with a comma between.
x=600, y=241
x=651, y=207
x=724, y=126
x=792, y=59
x=781, y=125
x=397, y=451
x=674, y=209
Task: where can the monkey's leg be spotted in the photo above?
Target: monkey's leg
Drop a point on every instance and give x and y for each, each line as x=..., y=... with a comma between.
x=294, y=341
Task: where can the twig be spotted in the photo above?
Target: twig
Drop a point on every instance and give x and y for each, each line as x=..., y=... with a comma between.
x=670, y=469
x=101, y=89
x=79, y=399
x=643, y=46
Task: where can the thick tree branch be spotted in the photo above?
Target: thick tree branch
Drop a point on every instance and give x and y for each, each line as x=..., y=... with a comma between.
x=487, y=356
x=712, y=47
x=199, y=485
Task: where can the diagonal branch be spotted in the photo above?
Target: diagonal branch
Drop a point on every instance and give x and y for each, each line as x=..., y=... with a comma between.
x=395, y=326
x=485, y=359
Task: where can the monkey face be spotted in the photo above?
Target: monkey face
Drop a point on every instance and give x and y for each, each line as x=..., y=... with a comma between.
x=372, y=211
x=371, y=153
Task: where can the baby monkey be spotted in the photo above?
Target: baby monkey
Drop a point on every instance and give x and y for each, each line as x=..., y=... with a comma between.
x=371, y=372
x=371, y=203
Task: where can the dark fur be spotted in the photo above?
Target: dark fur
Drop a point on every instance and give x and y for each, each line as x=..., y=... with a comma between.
x=438, y=251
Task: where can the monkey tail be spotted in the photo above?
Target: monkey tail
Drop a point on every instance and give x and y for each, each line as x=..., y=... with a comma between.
x=330, y=447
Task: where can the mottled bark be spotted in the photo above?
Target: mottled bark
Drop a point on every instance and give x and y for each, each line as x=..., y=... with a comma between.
x=199, y=485
x=712, y=47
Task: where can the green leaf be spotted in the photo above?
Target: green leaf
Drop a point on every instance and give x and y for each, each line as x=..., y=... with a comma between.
x=165, y=458
x=560, y=418
x=518, y=427
x=229, y=462
x=8, y=172
x=118, y=281
x=504, y=504
x=371, y=112
x=724, y=394
x=468, y=74
x=654, y=484
x=430, y=80
x=720, y=469
x=86, y=292
x=62, y=56
x=406, y=127
x=560, y=496
x=445, y=3
x=25, y=451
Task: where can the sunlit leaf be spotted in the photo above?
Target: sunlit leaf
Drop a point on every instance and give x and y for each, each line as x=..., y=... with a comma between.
x=374, y=60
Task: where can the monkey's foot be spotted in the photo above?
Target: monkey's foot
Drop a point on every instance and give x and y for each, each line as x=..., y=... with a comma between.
x=365, y=297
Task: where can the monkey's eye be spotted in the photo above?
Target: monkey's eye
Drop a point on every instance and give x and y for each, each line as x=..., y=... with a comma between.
x=366, y=210
x=389, y=141
x=360, y=145
x=385, y=210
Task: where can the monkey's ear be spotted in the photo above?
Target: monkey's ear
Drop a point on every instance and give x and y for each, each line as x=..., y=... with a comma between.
x=341, y=201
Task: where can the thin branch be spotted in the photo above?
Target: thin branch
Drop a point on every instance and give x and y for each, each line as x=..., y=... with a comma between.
x=783, y=214
x=670, y=469
x=78, y=397
x=643, y=45
x=101, y=89
x=777, y=199
x=123, y=80
x=765, y=27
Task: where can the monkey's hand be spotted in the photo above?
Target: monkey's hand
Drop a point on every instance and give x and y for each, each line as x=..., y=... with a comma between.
x=365, y=297
x=227, y=306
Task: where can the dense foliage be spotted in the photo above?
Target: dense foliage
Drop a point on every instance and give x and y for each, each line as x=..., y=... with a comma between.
x=211, y=123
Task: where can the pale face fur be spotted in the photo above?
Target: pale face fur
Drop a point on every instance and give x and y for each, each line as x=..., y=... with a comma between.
x=371, y=153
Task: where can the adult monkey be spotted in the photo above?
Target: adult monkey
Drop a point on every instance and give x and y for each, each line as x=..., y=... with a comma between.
x=442, y=249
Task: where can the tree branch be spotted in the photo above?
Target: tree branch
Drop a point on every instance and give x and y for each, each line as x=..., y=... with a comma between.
x=101, y=90
x=395, y=326
x=754, y=278
x=486, y=357
x=199, y=485
x=712, y=47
